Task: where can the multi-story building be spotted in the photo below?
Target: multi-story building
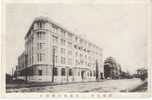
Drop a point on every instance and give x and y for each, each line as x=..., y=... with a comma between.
x=53, y=53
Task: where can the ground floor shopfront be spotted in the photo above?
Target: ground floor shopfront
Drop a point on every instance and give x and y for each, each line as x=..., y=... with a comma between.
x=58, y=74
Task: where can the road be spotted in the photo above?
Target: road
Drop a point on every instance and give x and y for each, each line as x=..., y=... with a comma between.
x=103, y=86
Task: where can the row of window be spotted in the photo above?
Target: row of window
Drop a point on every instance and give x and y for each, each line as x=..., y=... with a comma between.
x=63, y=50
x=41, y=35
x=63, y=72
x=55, y=27
x=70, y=72
x=62, y=41
x=55, y=72
x=41, y=57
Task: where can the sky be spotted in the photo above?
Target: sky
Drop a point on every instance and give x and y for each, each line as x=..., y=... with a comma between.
x=120, y=29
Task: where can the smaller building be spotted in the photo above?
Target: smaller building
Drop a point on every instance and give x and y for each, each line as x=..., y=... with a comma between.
x=112, y=69
x=142, y=73
x=21, y=67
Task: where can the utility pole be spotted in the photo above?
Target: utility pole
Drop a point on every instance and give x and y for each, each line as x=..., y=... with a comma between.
x=97, y=71
x=12, y=74
x=53, y=64
x=26, y=64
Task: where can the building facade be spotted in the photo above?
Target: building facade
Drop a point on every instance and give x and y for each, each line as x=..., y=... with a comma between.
x=112, y=69
x=54, y=54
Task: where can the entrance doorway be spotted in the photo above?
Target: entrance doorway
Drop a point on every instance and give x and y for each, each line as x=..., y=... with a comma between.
x=83, y=75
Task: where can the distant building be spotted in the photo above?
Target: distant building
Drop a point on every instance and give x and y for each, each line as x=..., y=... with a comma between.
x=112, y=69
x=142, y=72
x=52, y=53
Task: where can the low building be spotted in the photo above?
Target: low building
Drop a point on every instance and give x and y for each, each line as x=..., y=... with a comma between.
x=112, y=69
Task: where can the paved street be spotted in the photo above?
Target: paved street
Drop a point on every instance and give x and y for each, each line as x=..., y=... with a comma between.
x=104, y=86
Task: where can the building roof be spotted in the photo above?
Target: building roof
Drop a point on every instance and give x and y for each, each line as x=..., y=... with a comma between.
x=46, y=19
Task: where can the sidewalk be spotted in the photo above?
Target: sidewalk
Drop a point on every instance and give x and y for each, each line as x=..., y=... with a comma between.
x=120, y=85
x=41, y=84
x=140, y=88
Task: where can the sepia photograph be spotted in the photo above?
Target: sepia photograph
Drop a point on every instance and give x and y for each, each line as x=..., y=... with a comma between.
x=76, y=48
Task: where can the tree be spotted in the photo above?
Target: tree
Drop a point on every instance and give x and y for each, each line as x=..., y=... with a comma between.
x=111, y=68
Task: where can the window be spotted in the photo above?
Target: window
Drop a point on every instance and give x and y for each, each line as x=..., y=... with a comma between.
x=40, y=57
x=56, y=59
x=40, y=24
x=78, y=73
x=62, y=42
x=40, y=35
x=62, y=33
x=77, y=62
x=62, y=60
x=62, y=51
x=76, y=54
x=55, y=48
x=87, y=73
x=70, y=44
x=40, y=45
x=63, y=72
x=55, y=71
x=70, y=72
x=40, y=72
x=94, y=73
x=69, y=61
x=54, y=28
x=69, y=36
x=76, y=39
x=70, y=52
x=55, y=39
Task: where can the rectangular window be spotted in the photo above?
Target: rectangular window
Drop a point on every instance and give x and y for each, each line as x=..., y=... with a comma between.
x=55, y=71
x=40, y=72
x=40, y=35
x=62, y=42
x=56, y=59
x=70, y=44
x=40, y=57
x=55, y=48
x=70, y=61
x=63, y=33
x=69, y=36
x=40, y=45
x=63, y=71
x=41, y=25
x=62, y=60
x=70, y=52
x=54, y=28
x=62, y=51
x=55, y=39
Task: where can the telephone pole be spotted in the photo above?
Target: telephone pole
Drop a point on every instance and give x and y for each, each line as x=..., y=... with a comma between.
x=97, y=71
x=12, y=73
x=26, y=64
x=53, y=64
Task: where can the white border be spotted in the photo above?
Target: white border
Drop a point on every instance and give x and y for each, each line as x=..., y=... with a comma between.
x=75, y=95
